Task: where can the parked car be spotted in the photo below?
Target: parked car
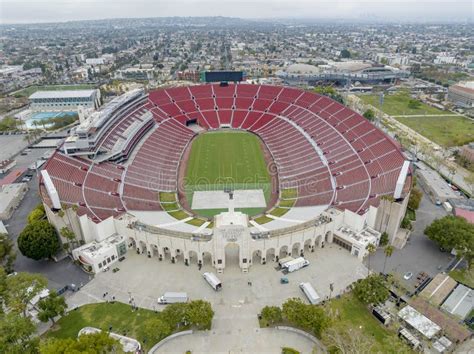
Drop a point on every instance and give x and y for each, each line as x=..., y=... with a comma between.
x=408, y=275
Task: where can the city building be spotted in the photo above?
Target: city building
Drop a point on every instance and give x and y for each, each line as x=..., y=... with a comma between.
x=10, y=197
x=467, y=151
x=67, y=100
x=462, y=94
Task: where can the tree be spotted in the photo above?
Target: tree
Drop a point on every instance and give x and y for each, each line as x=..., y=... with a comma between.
x=155, y=329
x=99, y=342
x=345, y=54
x=272, y=314
x=16, y=334
x=21, y=288
x=38, y=240
x=7, y=253
x=371, y=290
x=51, y=306
x=388, y=251
x=330, y=92
x=199, y=313
x=369, y=115
x=414, y=104
x=415, y=199
x=347, y=341
x=383, y=239
x=68, y=234
x=175, y=314
x=371, y=248
x=36, y=214
x=309, y=317
x=453, y=232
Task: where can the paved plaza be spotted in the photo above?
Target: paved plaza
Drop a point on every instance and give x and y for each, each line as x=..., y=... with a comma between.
x=235, y=326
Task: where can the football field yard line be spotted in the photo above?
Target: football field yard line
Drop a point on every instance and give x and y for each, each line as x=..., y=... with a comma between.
x=226, y=159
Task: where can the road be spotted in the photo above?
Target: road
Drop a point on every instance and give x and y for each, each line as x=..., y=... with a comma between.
x=58, y=274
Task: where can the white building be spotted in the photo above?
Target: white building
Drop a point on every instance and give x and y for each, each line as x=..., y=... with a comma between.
x=96, y=256
x=67, y=100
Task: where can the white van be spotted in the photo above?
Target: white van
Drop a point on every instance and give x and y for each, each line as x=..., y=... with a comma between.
x=310, y=293
x=213, y=281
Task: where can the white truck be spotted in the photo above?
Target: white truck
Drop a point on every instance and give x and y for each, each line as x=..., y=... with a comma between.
x=172, y=298
x=285, y=260
x=310, y=293
x=213, y=281
x=295, y=264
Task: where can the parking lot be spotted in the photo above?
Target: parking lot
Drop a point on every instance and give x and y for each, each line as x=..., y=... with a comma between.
x=236, y=306
x=420, y=253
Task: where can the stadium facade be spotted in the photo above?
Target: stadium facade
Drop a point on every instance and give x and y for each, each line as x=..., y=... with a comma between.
x=351, y=181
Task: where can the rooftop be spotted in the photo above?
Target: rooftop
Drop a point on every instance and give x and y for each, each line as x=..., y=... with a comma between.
x=421, y=323
x=460, y=302
x=62, y=94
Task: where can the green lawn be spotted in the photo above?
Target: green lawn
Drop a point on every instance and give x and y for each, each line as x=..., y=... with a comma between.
x=226, y=159
x=289, y=193
x=397, y=104
x=170, y=206
x=353, y=314
x=263, y=220
x=195, y=222
x=32, y=89
x=444, y=130
x=167, y=197
x=118, y=315
x=278, y=212
x=465, y=277
x=179, y=214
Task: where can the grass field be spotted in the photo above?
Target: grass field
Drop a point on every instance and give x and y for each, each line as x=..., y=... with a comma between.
x=32, y=89
x=397, y=104
x=353, y=314
x=226, y=159
x=118, y=315
x=465, y=277
x=443, y=130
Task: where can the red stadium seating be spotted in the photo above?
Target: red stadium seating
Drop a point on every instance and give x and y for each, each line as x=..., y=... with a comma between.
x=331, y=154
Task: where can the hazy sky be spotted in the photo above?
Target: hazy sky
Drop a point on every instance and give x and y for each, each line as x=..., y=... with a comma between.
x=25, y=11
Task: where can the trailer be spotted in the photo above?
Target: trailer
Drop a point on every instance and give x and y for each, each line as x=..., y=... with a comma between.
x=296, y=264
x=213, y=281
x=173, y=298
x=310, y=293
x=285, y=260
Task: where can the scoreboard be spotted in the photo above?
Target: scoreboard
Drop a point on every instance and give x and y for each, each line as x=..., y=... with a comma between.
x=219, y=76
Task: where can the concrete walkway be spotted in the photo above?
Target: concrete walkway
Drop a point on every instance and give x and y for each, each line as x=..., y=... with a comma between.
x=235, y=326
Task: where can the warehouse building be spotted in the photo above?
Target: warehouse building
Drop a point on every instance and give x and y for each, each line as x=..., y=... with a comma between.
x=462, y=94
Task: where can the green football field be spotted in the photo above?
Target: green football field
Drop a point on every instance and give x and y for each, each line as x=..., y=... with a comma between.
x=226, y=159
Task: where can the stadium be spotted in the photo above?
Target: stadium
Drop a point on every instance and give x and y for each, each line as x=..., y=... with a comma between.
x=191, y=172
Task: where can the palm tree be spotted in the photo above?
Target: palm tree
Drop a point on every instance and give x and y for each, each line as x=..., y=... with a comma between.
x=371, y=249
x=388, y=253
